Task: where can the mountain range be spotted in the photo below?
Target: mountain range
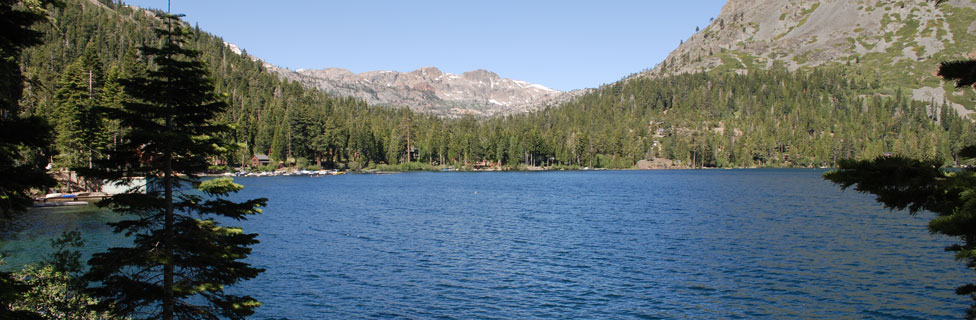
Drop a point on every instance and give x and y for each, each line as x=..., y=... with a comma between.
x=781, y=90
x=898, y=43
x=478, y=92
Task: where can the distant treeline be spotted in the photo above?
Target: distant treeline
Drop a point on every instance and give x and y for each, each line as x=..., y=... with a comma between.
x=773, y=118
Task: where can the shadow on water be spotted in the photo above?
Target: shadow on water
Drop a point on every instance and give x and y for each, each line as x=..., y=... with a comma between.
x=612, y=244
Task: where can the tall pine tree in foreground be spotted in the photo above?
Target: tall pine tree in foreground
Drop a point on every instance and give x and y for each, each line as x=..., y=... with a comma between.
x=904, y=183
x=181, y=258
x=18, y=135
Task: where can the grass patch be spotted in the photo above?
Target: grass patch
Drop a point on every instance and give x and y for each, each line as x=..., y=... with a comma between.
x=864, y=43
x=919, y=50
x=966, y=98
x=731, y=62
x=781, y=35
x=908, y=30
x=940, y=32
x=932, y=82
x=931, y=28
x=806, y=15
x=812, y=9
x=805, y=57
x=747, y=59
x=802, y=21
x=885, y=20
x=959, y=20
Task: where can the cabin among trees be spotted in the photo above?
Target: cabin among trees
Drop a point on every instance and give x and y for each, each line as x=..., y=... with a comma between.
x=260, y=160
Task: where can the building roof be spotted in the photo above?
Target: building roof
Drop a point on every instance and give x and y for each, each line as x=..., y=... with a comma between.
x=262, y=157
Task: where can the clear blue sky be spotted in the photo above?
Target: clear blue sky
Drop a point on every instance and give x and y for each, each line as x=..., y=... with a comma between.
x=561, y=44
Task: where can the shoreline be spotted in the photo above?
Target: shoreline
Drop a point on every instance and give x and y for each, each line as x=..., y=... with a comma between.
x=388, y=172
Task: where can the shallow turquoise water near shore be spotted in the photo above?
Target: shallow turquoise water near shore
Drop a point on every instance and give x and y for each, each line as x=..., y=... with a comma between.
x=613, y=244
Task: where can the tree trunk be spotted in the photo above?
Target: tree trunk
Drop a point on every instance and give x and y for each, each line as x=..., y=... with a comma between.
x=168, y=299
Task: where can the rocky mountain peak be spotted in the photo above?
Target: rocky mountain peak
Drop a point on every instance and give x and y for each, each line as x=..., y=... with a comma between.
x=428, y=89
x=428, y=72
x=480, y=75
x=897, y=42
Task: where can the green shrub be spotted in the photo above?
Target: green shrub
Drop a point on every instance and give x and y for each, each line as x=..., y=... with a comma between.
x=409, y=166
x=266, y=168
x=52, y=294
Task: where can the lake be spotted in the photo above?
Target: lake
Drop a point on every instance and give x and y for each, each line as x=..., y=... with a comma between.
x=607, y=244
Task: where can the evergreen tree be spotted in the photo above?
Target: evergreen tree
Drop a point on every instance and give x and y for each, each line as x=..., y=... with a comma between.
x=772, y=117
x=181, y=258
x=906, y=183
x=80, y=131
x=18, y=136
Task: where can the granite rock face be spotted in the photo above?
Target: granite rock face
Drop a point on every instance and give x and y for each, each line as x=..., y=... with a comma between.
x=895, y=41
x=480, y=92
x=812, y=33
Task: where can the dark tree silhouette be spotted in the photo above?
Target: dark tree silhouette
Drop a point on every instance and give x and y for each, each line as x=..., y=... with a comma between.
x=903, y=183
x=181, y=258
x=18, y=135
x=962, y=71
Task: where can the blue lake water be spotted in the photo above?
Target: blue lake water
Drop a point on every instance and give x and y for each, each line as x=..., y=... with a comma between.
x=610, y=244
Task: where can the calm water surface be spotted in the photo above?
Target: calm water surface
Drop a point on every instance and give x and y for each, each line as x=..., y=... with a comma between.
x=658, y=244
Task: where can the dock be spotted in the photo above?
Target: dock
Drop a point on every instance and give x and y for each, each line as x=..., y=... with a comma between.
x=69, y=199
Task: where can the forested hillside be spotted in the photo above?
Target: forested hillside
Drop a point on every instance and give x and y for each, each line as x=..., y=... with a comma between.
x=775, y=117
x=89, y=46
x=766, y=118
x=899, y=43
